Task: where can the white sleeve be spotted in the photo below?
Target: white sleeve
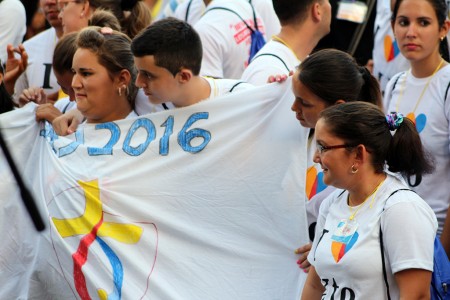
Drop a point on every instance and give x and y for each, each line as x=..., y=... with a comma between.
x=409, y=229
x=12, y=24
x=259, y=70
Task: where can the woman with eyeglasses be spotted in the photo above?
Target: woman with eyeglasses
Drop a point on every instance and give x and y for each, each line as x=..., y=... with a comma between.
x=325, y=78
x=376, y=227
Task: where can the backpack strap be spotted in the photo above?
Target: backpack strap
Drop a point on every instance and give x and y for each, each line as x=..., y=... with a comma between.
x=187, y=11
x=382, y=246
x=396, y=81
x=234, y=86
x=232, y=11
x=274, y=55
x=446, y=92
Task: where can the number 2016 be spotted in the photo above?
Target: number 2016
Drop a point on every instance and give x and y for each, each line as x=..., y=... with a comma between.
x=185, y=137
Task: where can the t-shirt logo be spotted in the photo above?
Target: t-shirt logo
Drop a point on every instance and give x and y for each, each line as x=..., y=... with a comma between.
x=391, y=49
x=420, y=121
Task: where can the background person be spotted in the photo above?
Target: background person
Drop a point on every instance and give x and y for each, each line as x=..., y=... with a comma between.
x=354, y=142
x=422, y=93
x=317, y=84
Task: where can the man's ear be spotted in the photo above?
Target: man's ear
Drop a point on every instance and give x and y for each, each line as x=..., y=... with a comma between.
x=86, y=11
x=316, y=11
x=184, y=75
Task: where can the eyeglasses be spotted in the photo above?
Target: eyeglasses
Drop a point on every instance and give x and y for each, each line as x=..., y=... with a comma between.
x=63, y=4
x=321, y=149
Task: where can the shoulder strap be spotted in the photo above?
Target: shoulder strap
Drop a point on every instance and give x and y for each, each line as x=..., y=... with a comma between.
x=395, y=83
x=234, y=86
x=446, y=92
x=187, y=11
x=232, y=11
x=381, y=243
x=274, y=55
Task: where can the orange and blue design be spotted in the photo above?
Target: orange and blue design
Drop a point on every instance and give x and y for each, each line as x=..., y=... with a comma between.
x=314, y=182
x=391, y=50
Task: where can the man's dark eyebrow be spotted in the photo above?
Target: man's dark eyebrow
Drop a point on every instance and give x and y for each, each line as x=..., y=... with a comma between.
x=146, y=73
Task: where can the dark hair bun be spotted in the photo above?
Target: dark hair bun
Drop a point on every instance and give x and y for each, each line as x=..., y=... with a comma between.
x=128, y=4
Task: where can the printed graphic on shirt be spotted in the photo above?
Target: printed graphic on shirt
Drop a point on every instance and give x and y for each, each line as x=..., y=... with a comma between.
x=314, y=182
x=391, y=49
x=420, y=121
x=343, y=239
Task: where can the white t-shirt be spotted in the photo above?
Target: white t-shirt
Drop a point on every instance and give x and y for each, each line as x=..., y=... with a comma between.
x=190, y=11
x=355, y=268
x=12, y=24
x=64, y=105
x=226, y=39
x=274, y=58
x=387, y=59
x=39, y=72
x=433, y=123
x=169, y=9
x=219, y=87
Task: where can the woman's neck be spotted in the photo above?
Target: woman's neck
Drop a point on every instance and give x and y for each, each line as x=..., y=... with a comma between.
x=426, y=67
x=365, y=188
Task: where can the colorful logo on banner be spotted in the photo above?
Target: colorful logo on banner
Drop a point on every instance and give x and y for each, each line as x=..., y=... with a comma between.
x=391, y=49
x=420, y=121
x=314, y=182
x=91, y=227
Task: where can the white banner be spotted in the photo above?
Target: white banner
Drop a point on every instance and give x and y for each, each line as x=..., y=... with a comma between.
x=202, y=202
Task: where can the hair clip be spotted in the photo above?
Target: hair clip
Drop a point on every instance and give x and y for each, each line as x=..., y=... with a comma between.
x=394, y=120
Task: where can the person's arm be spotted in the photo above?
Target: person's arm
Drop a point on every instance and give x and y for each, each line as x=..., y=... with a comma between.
x=445, y=236
x=313, y=288
x=14, y=66
x=414, y=284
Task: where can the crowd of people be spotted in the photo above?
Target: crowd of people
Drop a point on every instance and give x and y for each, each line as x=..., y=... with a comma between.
x=374, y=135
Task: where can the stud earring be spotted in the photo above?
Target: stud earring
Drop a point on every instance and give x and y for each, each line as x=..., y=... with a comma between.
x=442, y=38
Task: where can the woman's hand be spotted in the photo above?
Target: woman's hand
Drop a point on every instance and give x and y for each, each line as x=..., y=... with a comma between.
x=303, y=252
x=68, y=122
x=32, y=94
x=14, y=66
x=279, y=77
x=47, y=112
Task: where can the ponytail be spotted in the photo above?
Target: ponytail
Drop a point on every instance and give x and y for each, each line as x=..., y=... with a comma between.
x=443, y=49
x=370, y=90
x=406, y=154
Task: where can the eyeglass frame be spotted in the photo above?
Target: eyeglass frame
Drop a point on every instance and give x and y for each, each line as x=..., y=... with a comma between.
x=60, y=5
x=322, y=149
